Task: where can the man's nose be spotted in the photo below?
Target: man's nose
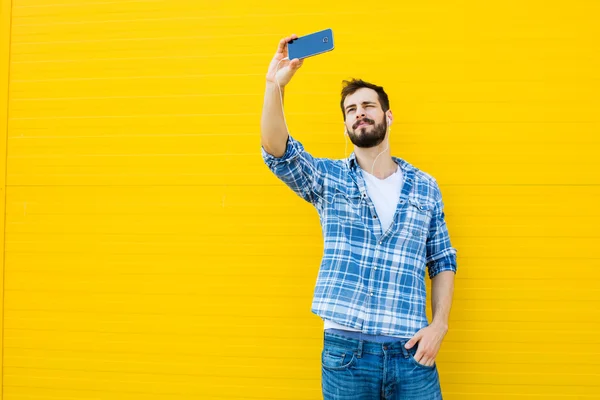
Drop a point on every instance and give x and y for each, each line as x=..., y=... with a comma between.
x=360, y=114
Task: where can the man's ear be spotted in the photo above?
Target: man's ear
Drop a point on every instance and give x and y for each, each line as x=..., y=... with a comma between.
x=389, y=117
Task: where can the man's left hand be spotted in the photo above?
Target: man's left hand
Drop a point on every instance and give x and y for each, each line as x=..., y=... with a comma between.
x=429, y=339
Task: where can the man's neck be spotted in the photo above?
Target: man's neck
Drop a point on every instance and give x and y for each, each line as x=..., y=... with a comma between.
x=384, y=166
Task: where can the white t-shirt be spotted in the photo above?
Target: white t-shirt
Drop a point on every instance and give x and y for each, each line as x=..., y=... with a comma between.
x=385, y=194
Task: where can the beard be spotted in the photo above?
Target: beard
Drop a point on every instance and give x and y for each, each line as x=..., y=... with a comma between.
x=361, y=138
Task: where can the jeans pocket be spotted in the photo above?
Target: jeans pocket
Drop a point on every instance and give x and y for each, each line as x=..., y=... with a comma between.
x=414, y=361
x=337, y=359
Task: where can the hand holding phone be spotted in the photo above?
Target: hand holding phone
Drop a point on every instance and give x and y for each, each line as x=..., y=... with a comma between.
x=296, y=49
x=280, y=68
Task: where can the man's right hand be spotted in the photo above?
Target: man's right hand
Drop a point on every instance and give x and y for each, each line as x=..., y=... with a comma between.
x=287, y=68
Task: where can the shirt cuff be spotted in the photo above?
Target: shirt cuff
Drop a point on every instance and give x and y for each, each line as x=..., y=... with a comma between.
x=292, y=150
x=446, y=263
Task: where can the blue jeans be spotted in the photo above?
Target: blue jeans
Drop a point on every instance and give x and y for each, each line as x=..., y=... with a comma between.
x=362, y=369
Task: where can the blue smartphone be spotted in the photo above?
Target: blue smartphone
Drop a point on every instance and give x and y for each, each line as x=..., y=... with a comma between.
x=311, y=45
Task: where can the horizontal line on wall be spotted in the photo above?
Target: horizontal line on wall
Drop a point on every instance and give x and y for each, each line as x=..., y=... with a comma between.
x=212, y=55
x=129, y=332
x=171, y=96
x=170, y=313
x=62, y=156
x=141, y=77
x=234, y=55
x=87, y=4
x=206, y=17
x=150, y=394
x=240, y=35
x=586, y=80
x=235, y=367
x=222, y=135
x=154, y=115
x=194, y=294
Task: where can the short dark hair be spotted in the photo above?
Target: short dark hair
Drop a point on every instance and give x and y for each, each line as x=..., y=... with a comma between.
x=351, y=86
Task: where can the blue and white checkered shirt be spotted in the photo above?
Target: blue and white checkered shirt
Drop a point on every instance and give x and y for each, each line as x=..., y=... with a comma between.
x=370, y=280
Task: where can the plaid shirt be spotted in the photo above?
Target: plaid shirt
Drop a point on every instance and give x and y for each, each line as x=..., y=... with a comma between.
x=370, y=280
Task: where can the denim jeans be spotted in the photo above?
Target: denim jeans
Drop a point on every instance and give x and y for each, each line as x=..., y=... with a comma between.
x=362, y=369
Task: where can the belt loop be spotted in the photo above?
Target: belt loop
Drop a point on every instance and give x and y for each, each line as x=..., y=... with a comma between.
x=360, y=348
x=405, y=351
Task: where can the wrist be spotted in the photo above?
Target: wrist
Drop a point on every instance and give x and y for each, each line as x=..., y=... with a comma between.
x=441, y=325
x=271, y=84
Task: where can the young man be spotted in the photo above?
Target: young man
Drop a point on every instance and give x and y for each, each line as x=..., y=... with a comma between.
x=383, y=224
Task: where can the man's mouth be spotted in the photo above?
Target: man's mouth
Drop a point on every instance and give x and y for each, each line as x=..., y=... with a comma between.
x=361, y=123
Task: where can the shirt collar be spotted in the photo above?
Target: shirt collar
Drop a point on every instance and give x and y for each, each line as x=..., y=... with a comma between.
x=404, y=166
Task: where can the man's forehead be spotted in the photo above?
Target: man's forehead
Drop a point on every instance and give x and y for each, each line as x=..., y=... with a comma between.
x=360, y=96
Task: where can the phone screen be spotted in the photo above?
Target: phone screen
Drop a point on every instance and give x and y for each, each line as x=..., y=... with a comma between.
x=311, y=45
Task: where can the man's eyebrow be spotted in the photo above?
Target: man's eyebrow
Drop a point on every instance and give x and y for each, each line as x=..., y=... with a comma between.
x=364, y=102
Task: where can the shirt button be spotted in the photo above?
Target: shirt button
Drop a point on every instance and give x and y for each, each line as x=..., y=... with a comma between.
x=371, y=294
x=375, y=268
x=380, y=242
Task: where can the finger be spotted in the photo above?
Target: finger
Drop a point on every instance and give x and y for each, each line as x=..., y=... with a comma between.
x=413, y=340
x=418, y=356
x=283, y=42
x=281, y=45
x=295, y=63
x=290, y=38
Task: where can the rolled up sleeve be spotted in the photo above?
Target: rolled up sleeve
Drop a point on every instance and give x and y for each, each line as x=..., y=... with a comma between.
x=297, y=169
x=441, y=256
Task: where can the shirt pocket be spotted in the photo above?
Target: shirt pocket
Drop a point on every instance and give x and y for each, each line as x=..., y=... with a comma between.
x=345, y=205
x=418, y=217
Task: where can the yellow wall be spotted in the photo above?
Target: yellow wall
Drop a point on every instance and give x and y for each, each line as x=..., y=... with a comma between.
x=151, y=255
x=5, y=6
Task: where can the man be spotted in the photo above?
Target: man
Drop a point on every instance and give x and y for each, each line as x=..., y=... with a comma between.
x=383, y=223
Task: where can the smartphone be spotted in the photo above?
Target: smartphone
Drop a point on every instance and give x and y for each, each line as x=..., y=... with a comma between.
x=311, y=45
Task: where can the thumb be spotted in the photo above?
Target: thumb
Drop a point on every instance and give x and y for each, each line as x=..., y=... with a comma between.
x=296, y=63
x=413, y=340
